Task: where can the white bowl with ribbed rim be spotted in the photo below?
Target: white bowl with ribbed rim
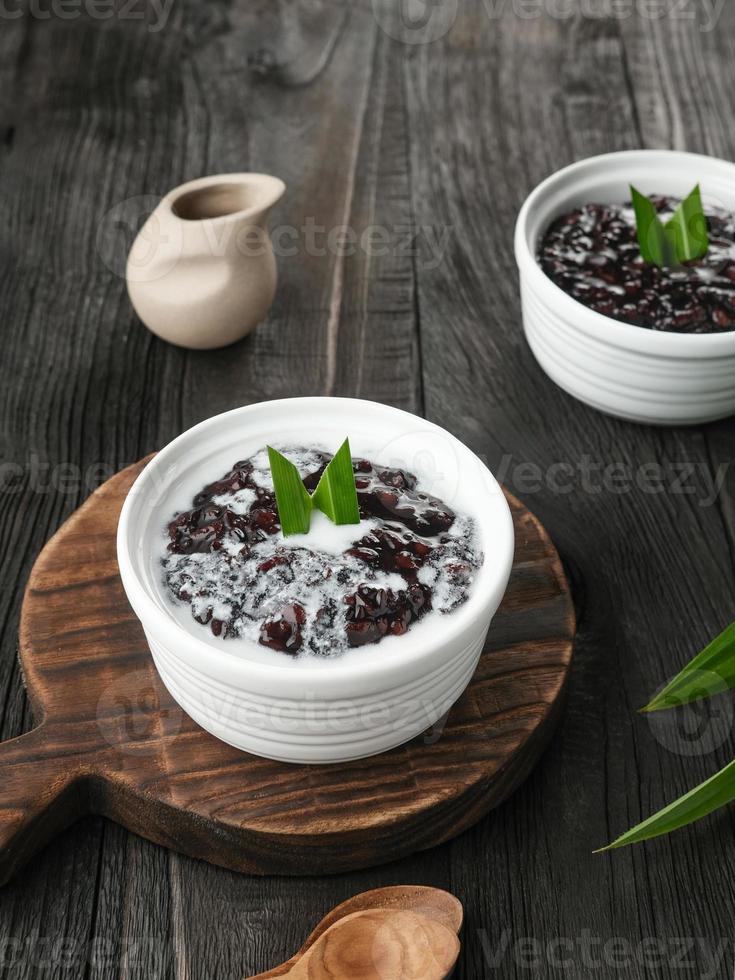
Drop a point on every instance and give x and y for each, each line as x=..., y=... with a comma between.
x=309, y=709
x=637, y=374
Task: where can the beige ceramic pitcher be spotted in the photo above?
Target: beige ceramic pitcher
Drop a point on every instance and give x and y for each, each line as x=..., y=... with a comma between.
x=201, y=272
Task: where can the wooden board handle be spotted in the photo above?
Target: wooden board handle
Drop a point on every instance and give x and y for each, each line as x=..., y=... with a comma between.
x=40, y=795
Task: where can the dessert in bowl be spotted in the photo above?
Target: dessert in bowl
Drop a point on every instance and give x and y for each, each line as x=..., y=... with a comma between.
x=330, y=645
x=645, y=344
x=333, y=587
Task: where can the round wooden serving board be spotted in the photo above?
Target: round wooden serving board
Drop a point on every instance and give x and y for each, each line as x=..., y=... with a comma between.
x=112, y=741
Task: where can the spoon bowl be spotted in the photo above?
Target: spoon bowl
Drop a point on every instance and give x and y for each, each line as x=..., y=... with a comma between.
x=380, y=945
x=424, y=903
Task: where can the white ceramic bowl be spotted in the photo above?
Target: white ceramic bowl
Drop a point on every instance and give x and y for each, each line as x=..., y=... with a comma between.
x=314, y=710
x=628, y=371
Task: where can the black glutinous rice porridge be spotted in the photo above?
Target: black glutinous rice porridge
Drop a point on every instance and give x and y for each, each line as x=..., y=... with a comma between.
x=592, y=253
x=335, y=588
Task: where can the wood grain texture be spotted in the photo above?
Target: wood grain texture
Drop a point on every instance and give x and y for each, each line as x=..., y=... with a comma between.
x=453, y=134
x=112, y=741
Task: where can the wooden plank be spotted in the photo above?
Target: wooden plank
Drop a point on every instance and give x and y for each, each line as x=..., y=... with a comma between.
x=45, y=918
x=653, y=572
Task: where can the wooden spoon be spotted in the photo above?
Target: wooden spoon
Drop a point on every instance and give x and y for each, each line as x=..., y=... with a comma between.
x=380, y=945
x=430, y=903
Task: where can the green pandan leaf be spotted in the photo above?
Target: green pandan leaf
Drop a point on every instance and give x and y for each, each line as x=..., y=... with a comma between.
x=292, y=498
x=655, y=244
x=688, y=226
x=710, y=672
x=336, y=495
x=697, y=803
x=684, y=238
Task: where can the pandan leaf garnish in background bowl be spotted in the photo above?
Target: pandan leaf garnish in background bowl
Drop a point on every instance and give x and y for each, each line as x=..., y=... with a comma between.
x=335, y=495
x=684, y=237
x=711, y=672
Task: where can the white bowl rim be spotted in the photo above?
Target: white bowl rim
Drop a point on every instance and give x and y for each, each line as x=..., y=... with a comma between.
x=491, y=580
x=608, y=329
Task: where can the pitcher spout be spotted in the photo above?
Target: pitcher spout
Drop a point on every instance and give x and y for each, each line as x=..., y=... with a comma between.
x=243, y=197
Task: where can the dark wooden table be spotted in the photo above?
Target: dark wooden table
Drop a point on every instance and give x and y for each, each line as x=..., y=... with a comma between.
x=437, y=144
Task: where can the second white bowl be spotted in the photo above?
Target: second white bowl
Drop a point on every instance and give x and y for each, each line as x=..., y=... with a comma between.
x=634, y=373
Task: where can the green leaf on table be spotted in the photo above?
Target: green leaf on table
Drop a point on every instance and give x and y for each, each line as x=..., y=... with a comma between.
x=292, y=498
x=697, y=803
x=336, y=495
x=688, y=227
x=683, y=238
x=711, y=672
